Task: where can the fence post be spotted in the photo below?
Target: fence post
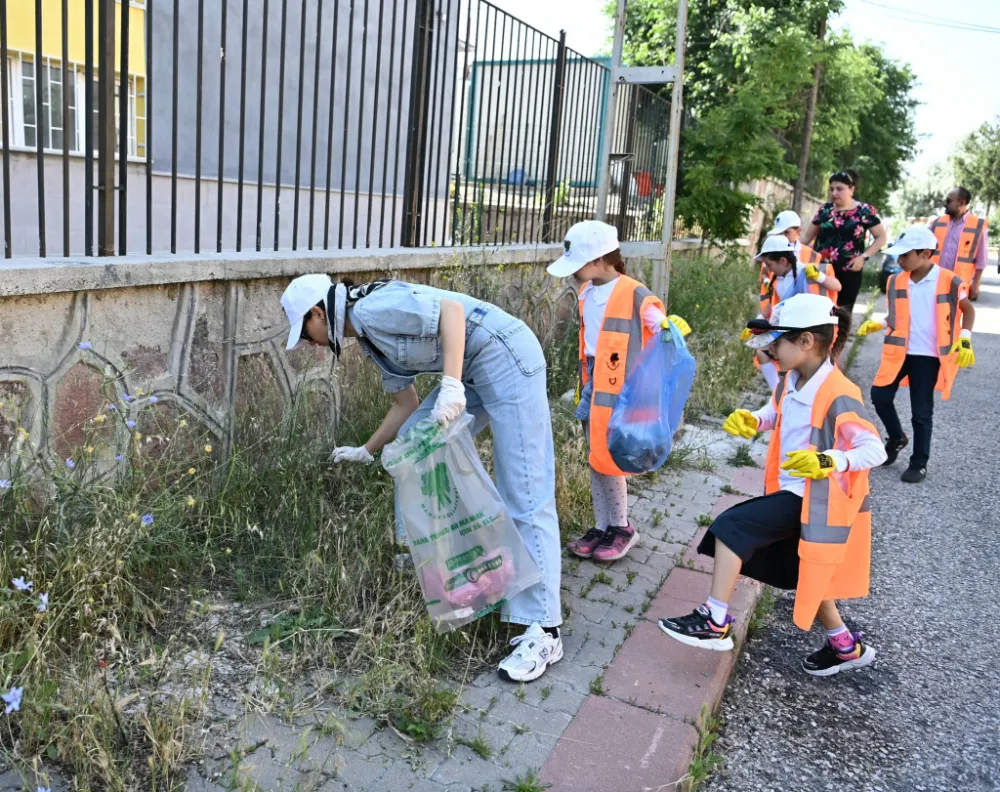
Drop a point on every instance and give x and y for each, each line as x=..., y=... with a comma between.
x=416, y=128
x=106, y=126
x=552, y=166
x=626, y=187
x=662, y=282
x=604, y=161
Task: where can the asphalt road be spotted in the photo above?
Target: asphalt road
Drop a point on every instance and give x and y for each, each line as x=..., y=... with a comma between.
x=926, y=714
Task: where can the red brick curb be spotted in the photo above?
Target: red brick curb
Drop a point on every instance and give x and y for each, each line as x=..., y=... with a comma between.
x=642, y=732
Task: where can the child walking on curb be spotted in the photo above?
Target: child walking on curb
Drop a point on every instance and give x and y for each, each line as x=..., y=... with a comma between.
x=784, y=279
x=923, y=347
x=812, y=530
x=618, y=316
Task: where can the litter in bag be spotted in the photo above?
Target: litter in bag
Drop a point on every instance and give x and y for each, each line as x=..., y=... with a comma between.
x=650, y=405
x=466, y=550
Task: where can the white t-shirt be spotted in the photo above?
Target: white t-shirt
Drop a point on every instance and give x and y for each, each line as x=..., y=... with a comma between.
x=923, y=340
x=595, y=303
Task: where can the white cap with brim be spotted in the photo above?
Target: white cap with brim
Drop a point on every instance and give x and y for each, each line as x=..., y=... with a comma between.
x=784, y=221
x=299, y=298
x=775, y=244
x=585, y=242
x=917, y=237
x=801, y=312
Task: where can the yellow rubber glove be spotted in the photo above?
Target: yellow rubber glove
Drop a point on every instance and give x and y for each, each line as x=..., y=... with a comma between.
x=683, y=326
x=741, y=423
x=745, y=334
x=812, y=272
x=966, y=357
x=809, y=464
x=871, y=326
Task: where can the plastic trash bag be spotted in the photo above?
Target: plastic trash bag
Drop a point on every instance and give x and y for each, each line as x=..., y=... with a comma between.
x=466, y=550
x=650, y=406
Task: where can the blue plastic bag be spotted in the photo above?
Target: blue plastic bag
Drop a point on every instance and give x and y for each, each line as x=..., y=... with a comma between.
x=651, y=404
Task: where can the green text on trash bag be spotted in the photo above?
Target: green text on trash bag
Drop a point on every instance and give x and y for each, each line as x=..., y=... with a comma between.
x=472, y=574
x=465, y=526
x=467, y=557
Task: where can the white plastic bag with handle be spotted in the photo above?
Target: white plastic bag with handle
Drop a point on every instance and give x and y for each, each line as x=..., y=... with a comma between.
x=466, y=549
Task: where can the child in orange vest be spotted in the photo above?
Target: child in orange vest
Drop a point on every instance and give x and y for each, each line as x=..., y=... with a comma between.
x=923, y=346
x=618, y=316
x=812, y=530
x=781, y=278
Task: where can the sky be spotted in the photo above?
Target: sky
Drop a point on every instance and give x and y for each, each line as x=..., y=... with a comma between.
x=957, y=70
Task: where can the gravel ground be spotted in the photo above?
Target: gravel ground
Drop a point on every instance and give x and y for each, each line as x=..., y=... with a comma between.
x=925, y=715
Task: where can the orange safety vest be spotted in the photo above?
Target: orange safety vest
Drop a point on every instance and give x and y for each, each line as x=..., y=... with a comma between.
x=835, y=546
x=968, y=244
x=621, y=339
x=949, y=287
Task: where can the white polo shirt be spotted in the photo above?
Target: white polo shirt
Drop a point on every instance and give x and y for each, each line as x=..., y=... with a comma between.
x=923, y=340
x=595, y=303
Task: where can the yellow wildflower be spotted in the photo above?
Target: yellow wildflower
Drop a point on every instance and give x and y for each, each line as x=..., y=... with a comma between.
x=208, y=449
x=99, y=419
x=191, y=471
x=183, y=423
x=190, y=501
x=134, y=516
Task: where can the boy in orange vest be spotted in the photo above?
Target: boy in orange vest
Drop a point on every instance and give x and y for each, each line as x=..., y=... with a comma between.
x=812, y=530
x=923, y=346
x=618, y=316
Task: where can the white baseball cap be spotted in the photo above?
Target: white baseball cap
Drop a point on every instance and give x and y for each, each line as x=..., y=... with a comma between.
x=775, y=244
x=585, y=242
x=302, y=294
x=784, y=221
x=917, y=237
x=800, y=312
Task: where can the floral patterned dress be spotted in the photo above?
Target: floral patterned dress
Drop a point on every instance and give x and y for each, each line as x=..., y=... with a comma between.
x=841, y=236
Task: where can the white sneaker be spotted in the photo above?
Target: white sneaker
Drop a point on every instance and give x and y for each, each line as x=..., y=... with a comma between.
x=536, y=651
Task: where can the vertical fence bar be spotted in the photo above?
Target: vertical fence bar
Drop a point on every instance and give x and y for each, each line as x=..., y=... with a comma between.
x=315, y=117
x=567, y=132
x=329, y=123
x=532, y=150
x=371, y=169
x=595, y=92
x=223, y=63
x=388, y=112
x=281, y=122
x=416, y=144
x=625, y=191
x=470, y=151
x=498, y=63
x=243, y=120
x=123, y=123
x=399, y=119
x=347, y=121
x=551, y=172
x=197, y=127
x=428, y=178
x=485, y=100
x=106, y=129
x=40, y=126
x=461, y=117
x=673, y=151
x=5, y=120
x=611, y=108
x=574, y=125
x=298, y=126
x=173, y=131
x=88, y=129
x=65, y=118
x=517, y=154
x=260, y=142
x=148, y=144
x=443, y=50
x=503, y=184
x=361, y=124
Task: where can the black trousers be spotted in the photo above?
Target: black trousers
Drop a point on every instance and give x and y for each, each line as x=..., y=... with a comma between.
x=923, y=374
x=851, y=285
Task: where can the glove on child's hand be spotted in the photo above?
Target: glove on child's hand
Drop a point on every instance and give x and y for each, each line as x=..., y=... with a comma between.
x=809, y=464
x=681, y=325
x=741, y=423
x=966, y=356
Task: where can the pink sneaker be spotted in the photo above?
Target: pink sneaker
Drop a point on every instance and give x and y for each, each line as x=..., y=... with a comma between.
x=616, y=543
x=584, y=546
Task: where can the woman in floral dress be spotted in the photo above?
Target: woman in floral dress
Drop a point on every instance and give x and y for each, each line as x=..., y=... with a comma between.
x=839, y=233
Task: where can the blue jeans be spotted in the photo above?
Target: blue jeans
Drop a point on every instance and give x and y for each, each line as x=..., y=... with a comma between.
x=505, y=388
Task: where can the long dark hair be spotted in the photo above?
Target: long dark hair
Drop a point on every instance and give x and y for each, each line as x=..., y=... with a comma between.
x=614, y=258
x=824, y=334
x=791, y=259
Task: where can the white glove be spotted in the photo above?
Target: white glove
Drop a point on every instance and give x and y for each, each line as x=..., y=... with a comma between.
x=350, y=454
x=450, y=402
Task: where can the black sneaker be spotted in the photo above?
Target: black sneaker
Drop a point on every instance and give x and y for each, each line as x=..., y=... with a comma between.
x=914, y=475
x=698, y=629
x=828, y=661
x=893, y=447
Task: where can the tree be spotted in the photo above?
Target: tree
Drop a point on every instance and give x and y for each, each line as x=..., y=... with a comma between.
x=924, y=196
x=977, y=164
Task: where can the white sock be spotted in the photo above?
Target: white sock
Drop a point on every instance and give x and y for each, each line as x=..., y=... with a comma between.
x=719, y=610
x=770, y=372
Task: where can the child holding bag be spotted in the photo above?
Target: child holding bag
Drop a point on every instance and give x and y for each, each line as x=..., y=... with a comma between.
x=812, y=530
x=618, y=316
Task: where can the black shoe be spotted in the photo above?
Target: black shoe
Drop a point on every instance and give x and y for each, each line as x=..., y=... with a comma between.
x=914, y=475
x=893, y=447
x=828, y=661
x=698, y=629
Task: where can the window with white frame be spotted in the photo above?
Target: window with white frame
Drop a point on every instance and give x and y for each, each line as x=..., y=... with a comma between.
x=28, y=121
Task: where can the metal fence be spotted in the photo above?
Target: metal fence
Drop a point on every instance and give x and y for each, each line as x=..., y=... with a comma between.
x=171, y=126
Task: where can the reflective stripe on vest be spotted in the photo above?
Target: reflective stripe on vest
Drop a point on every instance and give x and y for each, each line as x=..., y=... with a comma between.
x=619, y=344
x=968, y=244
x=809, y=256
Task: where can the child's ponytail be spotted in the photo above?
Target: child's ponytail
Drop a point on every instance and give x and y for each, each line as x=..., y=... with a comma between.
x=614, y=258
x=843, y=331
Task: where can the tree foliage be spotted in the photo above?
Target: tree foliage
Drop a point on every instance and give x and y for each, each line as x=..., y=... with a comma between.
x=748, y=72
x=977, y=164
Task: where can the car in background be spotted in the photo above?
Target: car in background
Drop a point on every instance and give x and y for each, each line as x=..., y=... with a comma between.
x=888, y=267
